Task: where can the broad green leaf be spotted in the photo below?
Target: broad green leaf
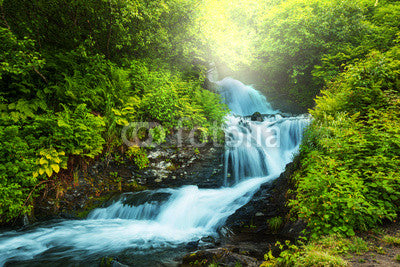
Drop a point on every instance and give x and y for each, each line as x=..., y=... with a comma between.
x=55, y=167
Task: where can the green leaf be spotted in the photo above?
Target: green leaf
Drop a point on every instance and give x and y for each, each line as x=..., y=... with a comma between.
x=62, y=123
x=122, y=122
x=49, y=171
x=55, y=167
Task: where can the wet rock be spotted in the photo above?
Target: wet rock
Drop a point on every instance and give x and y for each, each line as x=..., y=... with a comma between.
x=193, y=245
x=111, y=262
x=293, y=229
x=257, y=117
x=221, y=256
x=268, y=202
x=168, y=167
x=208, y=239
x=25, y=220
x=155, y=154
x=115, y=263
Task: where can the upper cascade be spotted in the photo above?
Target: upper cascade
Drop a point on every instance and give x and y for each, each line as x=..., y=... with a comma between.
x=243, y=99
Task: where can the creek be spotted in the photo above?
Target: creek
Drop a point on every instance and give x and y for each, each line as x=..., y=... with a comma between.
x=153, y=227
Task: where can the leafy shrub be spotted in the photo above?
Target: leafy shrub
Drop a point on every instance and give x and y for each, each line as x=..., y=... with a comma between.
x=167, y=99
x=17, y=57
x=17, y=162
x=312, y=254
x=79, y=132
x=50, y=161
x=138, y=154
x=70, y=84
x=295, y=35
x=85, y=78
x=36, y=147
x=349, y=179
x=158, y=134
x=391, y=240
x=76, y=132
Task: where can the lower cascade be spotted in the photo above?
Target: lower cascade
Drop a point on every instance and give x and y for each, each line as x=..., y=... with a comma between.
x=154, y=223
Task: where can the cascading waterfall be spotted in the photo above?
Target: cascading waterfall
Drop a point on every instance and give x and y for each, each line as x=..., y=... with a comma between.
x=243, y=100
x=153, y=222
x=253, y=148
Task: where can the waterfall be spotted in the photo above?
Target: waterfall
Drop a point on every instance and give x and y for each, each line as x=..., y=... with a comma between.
x=253, y=148
x=243, y=100
x=257, y=149
x=151, y=222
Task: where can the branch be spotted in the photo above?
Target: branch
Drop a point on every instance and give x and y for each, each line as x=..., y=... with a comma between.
x=41, y=75
x=29, y=196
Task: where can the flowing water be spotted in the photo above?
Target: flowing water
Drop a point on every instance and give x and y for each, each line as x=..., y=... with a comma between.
x=145, y=228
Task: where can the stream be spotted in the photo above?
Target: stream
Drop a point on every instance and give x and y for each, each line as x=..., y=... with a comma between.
x=153, y=227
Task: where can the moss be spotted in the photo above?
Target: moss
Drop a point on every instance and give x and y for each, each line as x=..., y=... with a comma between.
x=96, y=201
x=92, y=204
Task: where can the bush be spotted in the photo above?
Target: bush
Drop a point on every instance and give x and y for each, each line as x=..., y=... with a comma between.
x=17, y=163
x=36, y=148
x=168, y=99
x=349, y=179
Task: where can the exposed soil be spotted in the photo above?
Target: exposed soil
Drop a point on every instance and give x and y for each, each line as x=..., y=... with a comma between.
x=381, y=253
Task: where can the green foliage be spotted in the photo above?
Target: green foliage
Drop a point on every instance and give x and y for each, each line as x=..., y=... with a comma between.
x=312, y=254
x=38, y=146
x=349, y=179
x=21, y=110
x=78, y=132
x=158, y=134
x=295, y=34
x=391, y=240
x=327, y=251
x=50, y=160
x=138, y=154
x=275, y=223
x=169, y=100
x=74, y=73
x=17, y=163
x=17, y=57
x=301, y=45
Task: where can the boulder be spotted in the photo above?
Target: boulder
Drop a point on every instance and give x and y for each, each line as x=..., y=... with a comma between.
x=257, y=117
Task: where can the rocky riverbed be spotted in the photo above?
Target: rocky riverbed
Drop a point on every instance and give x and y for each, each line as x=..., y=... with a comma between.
x=247, y=235
x=251, y=232
x=169, y=166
